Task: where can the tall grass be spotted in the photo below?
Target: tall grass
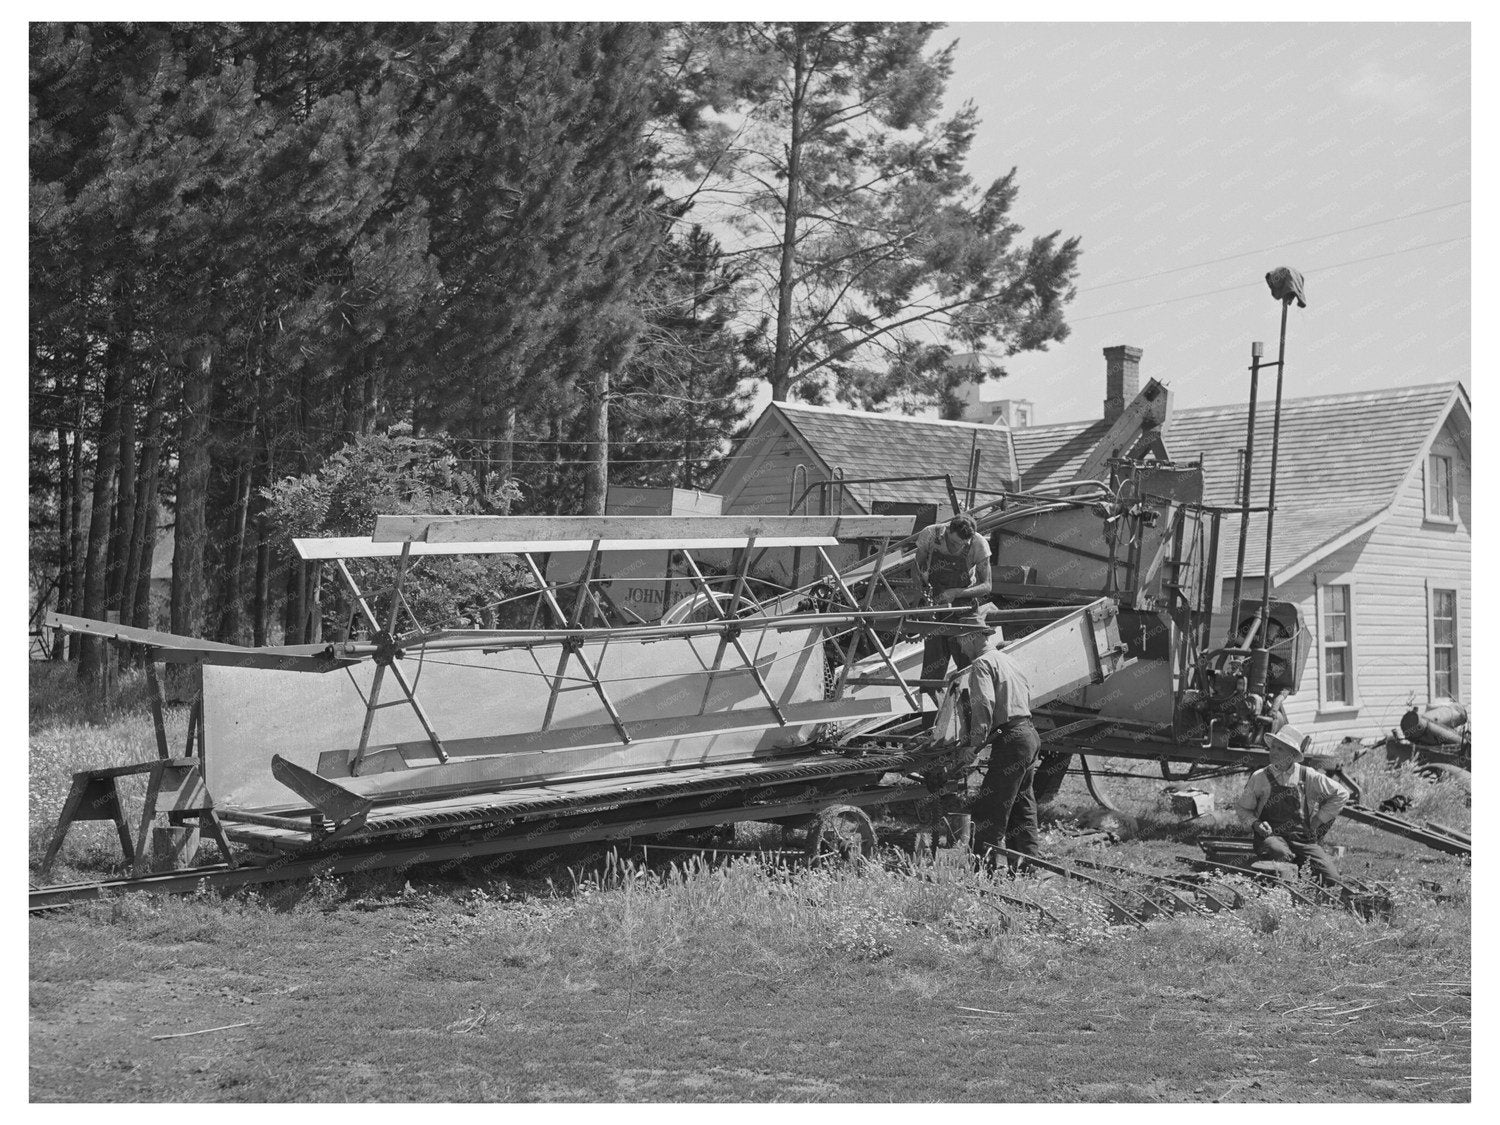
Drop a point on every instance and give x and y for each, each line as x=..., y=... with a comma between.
x=71, y=730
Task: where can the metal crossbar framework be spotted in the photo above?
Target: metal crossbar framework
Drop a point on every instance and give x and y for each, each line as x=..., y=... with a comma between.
x=388, y=646
x=864, y=628
x=388, y=657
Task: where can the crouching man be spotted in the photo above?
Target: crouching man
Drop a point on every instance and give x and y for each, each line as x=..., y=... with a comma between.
x=1289, y=806
x=1000, y=714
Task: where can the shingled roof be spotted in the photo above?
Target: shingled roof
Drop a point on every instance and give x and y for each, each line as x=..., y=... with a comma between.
x=888, y=445
x=1342, y=459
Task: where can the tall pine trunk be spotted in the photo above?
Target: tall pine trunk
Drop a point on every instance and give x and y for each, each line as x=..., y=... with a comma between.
x=120, y=539
x=96, y=561
x=505, y=459
x=232, y=614
x=596, y=434
x=781, y=369
x=137, y=607
x=75, y=518
x=188, y=592
x=64, y=539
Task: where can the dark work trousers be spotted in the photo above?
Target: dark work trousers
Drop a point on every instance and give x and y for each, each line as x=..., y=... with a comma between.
x=936, y=650
x=1005, y=808
x=1289, y=849
x=1291, y=841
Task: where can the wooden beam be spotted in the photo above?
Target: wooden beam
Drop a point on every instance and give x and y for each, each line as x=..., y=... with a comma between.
x=637, y=531
x=1149, y=410
x=349, y=547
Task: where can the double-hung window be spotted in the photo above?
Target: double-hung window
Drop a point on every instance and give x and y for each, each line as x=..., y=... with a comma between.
x=1443, y=607
x=1337, y=665
x=1337, y=642
x=1440, y=505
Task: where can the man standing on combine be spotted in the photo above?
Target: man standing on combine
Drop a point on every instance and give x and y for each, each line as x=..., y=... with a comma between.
x=1000, y=714
x=1290, y=805
x=954, y=561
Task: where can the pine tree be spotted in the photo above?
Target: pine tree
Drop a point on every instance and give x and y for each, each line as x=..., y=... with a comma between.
x=681, y=395
x=878, y=237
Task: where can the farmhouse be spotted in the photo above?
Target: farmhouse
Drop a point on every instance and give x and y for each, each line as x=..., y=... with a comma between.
x=1372, y=528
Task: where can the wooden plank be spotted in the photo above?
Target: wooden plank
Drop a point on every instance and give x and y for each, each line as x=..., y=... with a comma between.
x=418, y=761
x=1149, y=410
x=639, y=531
x=171, y=648
x=363, y=548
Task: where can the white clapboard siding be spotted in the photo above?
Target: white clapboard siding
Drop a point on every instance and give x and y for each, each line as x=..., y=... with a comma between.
x=764, y=481
x=1391, y=570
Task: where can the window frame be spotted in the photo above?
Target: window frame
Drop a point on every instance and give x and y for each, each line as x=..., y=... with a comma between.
x=1433, y=589
x=1350, y=644
x=1427, y=511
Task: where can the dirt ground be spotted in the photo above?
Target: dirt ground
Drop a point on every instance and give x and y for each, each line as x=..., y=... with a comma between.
x=506, y=990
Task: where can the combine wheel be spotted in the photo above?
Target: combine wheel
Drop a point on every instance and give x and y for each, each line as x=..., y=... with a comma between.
x=1048, y=779
x=1095, y=791
x=840, y=832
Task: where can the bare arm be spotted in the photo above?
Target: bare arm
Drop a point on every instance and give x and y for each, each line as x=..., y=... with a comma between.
x=1248, y=805
x=1333, y=797
x=924, y=558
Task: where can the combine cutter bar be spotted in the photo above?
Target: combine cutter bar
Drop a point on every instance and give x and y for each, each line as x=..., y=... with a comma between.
x=588, y=795
x=1104, y=885
x=1167, y=885
x=1262, y=877
x=223, y=878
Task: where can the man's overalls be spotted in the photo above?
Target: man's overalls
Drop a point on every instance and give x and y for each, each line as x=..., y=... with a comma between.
x=946, y=572
x=1292, y=839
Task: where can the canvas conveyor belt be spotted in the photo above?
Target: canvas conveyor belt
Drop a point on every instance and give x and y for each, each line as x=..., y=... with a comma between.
x=592, y=795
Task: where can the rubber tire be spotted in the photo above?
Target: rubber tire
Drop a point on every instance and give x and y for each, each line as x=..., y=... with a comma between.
x=1440, y=771
x=840, y=833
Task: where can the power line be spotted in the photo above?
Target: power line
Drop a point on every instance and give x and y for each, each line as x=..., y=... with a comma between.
x=1278, y=246
x=723, y=435
x=1257, y=284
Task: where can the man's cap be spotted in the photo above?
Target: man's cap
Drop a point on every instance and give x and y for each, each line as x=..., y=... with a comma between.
x=1292, y=739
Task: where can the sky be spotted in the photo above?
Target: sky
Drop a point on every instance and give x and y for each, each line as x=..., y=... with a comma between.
x=1192, y=158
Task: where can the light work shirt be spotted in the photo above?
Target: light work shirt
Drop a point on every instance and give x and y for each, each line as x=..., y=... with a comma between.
x=998, y=693
x=1322, y=797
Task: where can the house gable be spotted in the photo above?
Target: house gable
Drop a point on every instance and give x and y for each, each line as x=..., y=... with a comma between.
x=1392, y=571
x=759, y=474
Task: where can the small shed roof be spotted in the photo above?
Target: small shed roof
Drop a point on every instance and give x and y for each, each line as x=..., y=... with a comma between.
x=865, y=444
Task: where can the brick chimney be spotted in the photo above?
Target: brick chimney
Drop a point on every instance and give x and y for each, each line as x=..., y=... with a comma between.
x=1122, y=378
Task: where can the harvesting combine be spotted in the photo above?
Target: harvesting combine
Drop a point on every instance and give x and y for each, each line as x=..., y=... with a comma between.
x=777, y=676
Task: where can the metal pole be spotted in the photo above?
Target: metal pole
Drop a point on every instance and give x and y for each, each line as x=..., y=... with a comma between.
x=1257, y=349
x=1265, y=599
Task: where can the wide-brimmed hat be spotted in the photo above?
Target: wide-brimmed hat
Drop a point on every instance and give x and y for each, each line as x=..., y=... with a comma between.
x=1291, y=739
x=974, y=624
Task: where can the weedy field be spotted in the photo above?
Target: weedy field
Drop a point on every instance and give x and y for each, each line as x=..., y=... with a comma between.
x=607, y=979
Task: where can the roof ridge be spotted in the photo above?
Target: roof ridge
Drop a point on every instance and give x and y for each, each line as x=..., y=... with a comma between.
x=1299, y=400
x=1339, y=396
x=843, y=413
